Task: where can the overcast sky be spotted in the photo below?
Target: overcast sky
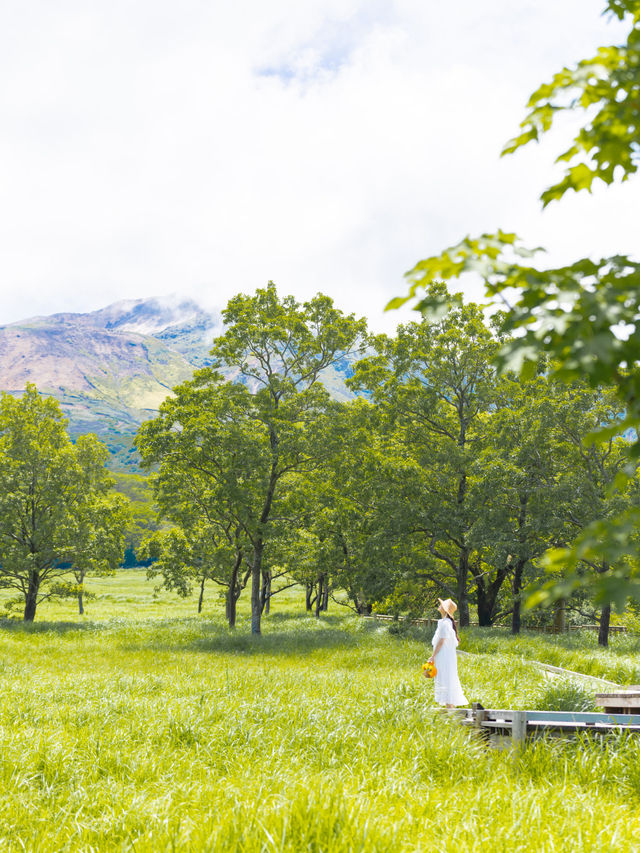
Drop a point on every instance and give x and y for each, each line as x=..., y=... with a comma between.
x=202, y=147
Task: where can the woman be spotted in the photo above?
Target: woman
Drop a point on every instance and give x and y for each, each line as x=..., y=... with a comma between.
x=447, y=690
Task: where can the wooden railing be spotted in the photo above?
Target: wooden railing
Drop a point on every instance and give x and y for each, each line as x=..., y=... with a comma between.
x=544, y=629
x=519, y=724
x=384, y=617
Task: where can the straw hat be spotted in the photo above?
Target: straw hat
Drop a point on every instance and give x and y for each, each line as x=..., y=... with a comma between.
x=448, y=606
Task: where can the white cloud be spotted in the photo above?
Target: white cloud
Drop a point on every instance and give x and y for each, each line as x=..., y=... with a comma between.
x=205, y=148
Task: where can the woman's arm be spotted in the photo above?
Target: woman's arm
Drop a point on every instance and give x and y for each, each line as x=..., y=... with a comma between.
x=437, y=648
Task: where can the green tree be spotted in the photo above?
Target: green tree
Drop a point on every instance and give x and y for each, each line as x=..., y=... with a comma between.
x=590, y=488
x=436, y=380
x=57, y=516
x=188, y=556
x=144, y=513
x=280, y=348
x=520, y=470
x=99, y=524
x=210, y=455
x=347, y=512
x=267, y=425
x=585, y=315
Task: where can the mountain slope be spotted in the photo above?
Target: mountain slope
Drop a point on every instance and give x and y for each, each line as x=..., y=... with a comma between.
x=110, y=369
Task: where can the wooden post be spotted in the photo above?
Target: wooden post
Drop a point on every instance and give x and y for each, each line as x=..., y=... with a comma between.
x=479, y=714
x=519, y=727
x=479, y=718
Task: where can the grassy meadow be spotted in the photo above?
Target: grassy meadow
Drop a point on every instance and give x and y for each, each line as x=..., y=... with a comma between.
x=143, y=727
x=578, y=651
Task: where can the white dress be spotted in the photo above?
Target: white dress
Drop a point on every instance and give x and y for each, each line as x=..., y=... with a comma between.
x=447, y=689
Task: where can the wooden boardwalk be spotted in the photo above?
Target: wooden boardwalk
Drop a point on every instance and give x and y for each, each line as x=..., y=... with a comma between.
x=518, y=725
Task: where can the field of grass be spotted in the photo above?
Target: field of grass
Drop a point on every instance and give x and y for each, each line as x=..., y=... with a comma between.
x=578, y=651
x=144, y=727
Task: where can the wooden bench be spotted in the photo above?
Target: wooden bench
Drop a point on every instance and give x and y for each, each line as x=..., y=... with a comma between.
x=519, y=724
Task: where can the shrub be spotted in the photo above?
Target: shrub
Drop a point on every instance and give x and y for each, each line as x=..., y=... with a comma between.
x=565, y=696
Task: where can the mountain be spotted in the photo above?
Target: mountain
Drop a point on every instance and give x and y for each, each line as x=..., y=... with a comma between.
x=183, y=326
x=110, y=369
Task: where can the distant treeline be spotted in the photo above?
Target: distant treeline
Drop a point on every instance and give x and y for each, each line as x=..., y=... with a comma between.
x=442, y=477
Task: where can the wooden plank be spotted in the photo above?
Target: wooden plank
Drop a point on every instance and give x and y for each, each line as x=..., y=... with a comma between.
x=585, y=717
x=536, y=727
x=558, y=670
x=581, y=727
x=492, y=711
x=506, y=715
x=507, y=725
x=516, y=724
x=621, y=701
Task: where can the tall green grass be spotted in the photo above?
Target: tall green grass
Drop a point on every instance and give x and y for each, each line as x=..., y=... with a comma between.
x=152, y=732
x=577, y=651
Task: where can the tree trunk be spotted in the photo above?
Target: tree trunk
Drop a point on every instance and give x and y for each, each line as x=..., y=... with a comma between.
x=516, y=619
x=320, y=595
x=325, y=597
x=256, y=587
x=363, y=607
x=605, y=621
x=232, y=600
x=485, y=609
x=79, y=576
x=462, y=573
x=308, y=598
x=201, y=596
x=233, y=592
x=605, y=614
x=518, y=572
x=462, y=584
x=31, y=598
x=560, y=617
x=487, y=594
x=265, y=593
x=258, y=550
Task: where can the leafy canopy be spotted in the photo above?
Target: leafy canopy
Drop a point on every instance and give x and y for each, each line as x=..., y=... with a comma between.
x=227, y=449
x=585, y=316
x=56, y=510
